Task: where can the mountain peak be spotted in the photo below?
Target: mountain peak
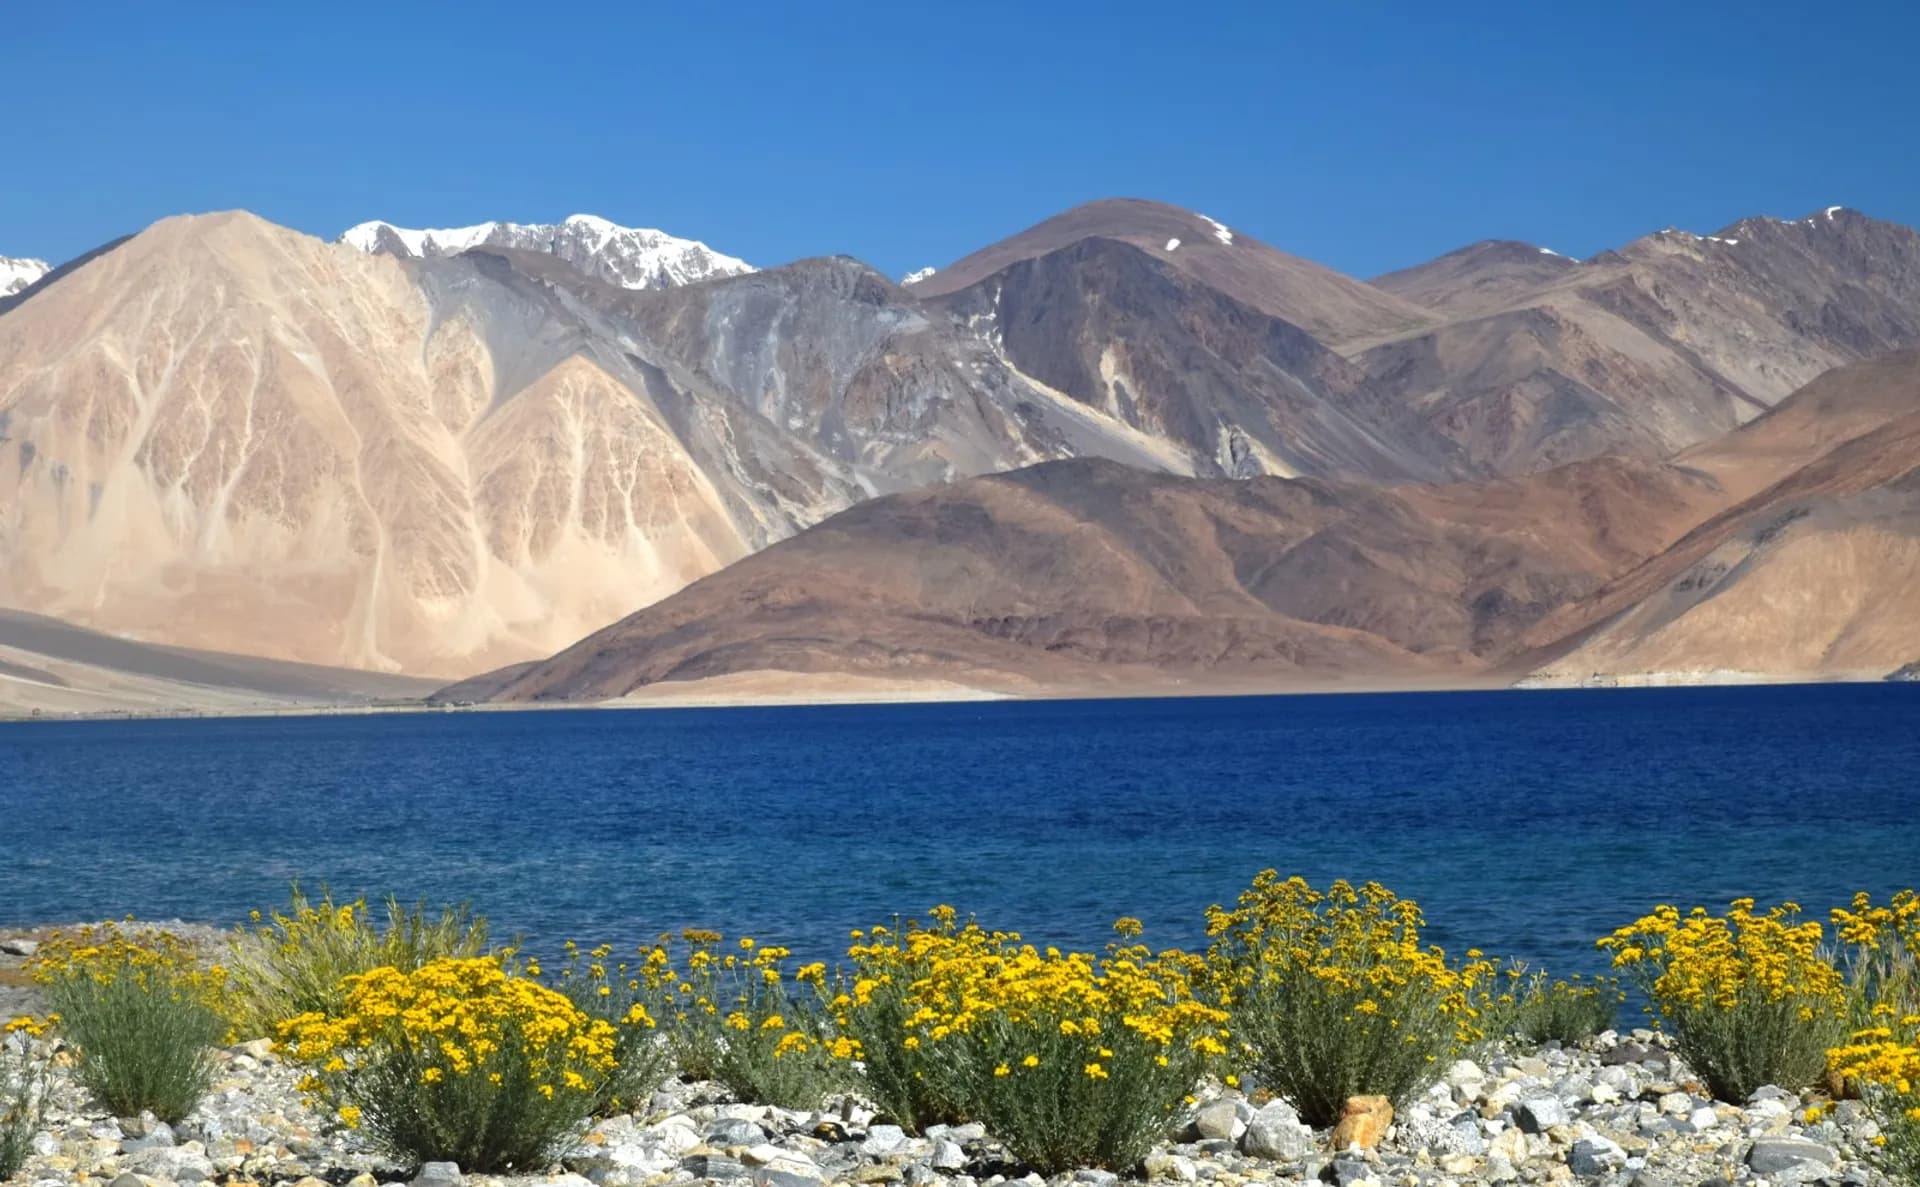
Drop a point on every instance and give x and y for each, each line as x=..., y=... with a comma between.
x=630, y=257
x=16, y=275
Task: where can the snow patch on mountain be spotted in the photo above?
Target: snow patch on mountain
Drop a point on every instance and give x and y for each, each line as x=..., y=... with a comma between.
x=16, y=275
x=1220, y=230
x=917, y=275
x=631, y=257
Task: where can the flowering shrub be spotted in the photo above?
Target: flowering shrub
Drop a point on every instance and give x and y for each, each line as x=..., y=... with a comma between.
x=730, y=1016
x=294, y=962
x=1071, y=1060
x=1751, y=999
x=1565, y=1011
x=1884, y=1059
x=621, y=999
x=456, y=1061
x=1883, y=1056
x=140, y=1011
x=23, y=1090
x=1334, y=996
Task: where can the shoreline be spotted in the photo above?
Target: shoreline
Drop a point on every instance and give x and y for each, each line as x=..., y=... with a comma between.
x=784, y=692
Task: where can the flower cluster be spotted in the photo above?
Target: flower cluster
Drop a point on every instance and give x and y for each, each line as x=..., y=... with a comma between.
x=728, y=1012
x=1335, y=995
x=1704, y=960
x=148, y=957
x=294, y=961
x=456, y=1060
x=1070, y=1058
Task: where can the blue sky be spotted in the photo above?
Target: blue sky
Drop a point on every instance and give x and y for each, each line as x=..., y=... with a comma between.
x=1364, y=135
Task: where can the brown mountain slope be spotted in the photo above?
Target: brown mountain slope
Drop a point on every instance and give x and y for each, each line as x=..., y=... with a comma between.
x=1078, y=572
x=1671, y=341
x=1332, y=307
x=1816, y=573
x=1126, y=331
x=1478, y=278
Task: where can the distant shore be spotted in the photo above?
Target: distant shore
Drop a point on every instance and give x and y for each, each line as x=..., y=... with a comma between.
x=786, y=689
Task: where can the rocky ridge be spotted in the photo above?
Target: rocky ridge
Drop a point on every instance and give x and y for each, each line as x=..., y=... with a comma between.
x=630, y=257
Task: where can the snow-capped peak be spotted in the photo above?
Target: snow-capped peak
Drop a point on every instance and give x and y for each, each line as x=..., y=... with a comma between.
x=631, y=257
x=917, y=275
x=16, y=275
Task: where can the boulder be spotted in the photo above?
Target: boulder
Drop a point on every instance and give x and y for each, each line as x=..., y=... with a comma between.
x=1277, y=1132
x=1219, y=1119
x=1539, y=1114
x=1363, y=1123
x=1594, y=1157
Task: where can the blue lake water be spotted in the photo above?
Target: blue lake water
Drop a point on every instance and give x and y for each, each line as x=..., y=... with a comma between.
x=1526, y=823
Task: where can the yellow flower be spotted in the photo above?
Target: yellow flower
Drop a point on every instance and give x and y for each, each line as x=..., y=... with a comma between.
x=1096, y=1072
x=1000, y=1070
x=1030, y=1061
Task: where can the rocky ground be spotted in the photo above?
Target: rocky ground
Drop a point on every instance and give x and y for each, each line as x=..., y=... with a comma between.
x=1618, y=1111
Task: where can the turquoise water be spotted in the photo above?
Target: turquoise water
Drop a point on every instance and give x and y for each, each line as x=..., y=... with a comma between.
x=1525, y=823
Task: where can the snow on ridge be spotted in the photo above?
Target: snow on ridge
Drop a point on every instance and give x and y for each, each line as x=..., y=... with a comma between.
x=1220, y=230
x=18, y=275
x=917, y=275
x=1172, y=244
x=631, y=257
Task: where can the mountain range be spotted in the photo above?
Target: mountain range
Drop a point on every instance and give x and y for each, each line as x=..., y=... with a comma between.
x=1131, y=446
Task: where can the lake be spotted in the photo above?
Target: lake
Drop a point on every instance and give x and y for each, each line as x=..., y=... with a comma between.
x=1526, y=823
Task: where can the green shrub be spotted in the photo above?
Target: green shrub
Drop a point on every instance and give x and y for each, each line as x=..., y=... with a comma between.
x=293, y=962
x=141, y=1015
x=1069, y=1059
x=1751, y=999
x=456, y=1061
x=1565, y=1011
x=1333, y=995
x=730, y=1016
x=23, y=1092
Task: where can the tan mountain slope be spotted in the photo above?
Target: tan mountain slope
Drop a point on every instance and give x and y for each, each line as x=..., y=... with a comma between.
x=226, y=435
x=1334, y=308
x=1814, y=574
x=1074, y=573
x=51, y=667
x=1671, y=341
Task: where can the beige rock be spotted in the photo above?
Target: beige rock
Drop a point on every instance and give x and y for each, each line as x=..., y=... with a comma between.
x=1363, y=1123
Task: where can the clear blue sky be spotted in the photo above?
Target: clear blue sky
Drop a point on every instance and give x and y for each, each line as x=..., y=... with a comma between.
x=1365, y=135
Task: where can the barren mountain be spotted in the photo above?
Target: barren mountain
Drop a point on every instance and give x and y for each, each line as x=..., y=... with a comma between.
x=1666, y=343
x=631, y=257
x=1127, y=330
x=226, y=435
x=1814, y=573
x=1331, y=307
x=1073, y=574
